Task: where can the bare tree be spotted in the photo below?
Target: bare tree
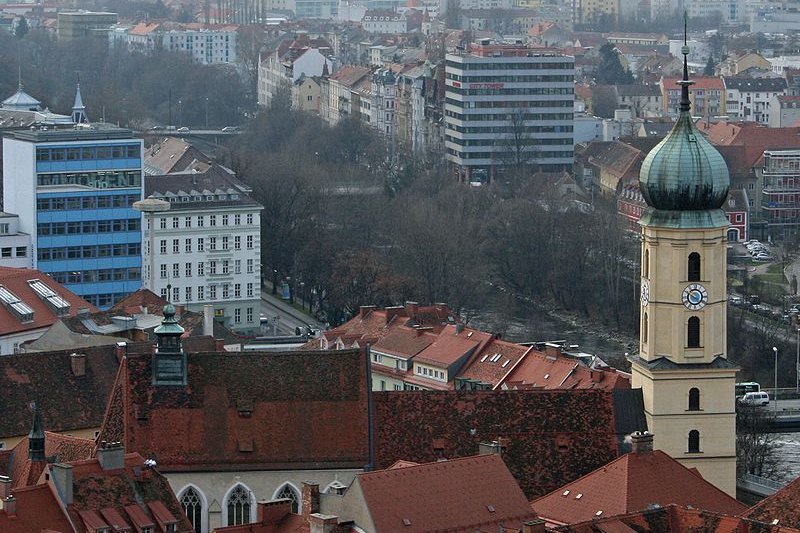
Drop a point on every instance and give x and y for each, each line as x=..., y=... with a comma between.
x=756, y=445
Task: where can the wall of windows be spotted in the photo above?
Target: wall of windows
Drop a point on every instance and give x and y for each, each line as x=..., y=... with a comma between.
x=88, y=226
x=86, y=202
x=107, y=179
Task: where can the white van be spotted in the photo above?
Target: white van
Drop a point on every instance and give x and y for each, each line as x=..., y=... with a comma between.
x=755, y=398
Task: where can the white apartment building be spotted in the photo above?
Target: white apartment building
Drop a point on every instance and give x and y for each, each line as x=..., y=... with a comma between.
x=505, y=101
x=750, y=99
x=15, y=245
x=202, y=245
x=291, y=60
x=206, y=43
x=384, y=21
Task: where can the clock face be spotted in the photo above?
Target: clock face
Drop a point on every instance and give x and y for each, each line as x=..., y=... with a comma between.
x=645, y=292
x=695, y=297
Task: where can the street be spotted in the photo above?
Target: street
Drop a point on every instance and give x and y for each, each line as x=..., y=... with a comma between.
x=282, y=317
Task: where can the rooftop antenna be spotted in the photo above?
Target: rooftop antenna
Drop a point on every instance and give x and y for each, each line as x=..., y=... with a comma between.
x=685, y=82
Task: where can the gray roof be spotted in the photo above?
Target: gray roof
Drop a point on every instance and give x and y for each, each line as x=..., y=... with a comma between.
x=21, y=101
x=183, y=190
x=662, y=363
x=756, y=84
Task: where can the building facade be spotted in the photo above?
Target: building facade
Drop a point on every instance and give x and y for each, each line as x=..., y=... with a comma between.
x=750, y=99
x=206, y=43
x=682, y=368
x=202, y=245
x=15, y=245
x=505, y=103
x=74, y=190
x=780, y=192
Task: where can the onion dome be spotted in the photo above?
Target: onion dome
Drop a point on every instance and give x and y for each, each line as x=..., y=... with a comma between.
x=684, y=172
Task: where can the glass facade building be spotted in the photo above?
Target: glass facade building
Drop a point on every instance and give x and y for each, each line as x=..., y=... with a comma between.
x=74, y=190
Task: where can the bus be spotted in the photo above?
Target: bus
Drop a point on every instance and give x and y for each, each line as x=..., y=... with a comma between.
x=748, y=386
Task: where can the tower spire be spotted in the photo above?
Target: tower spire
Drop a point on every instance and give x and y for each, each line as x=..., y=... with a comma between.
x=685, y=82
x=78, y=109
x=36, y=437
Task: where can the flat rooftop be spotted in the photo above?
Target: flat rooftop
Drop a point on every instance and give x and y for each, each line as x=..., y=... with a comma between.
x=105, y=131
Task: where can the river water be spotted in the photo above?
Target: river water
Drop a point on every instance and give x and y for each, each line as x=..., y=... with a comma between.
x=521, y=322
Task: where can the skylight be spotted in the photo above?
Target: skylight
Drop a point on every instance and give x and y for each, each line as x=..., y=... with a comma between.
x=58, y=304
x=19, y=309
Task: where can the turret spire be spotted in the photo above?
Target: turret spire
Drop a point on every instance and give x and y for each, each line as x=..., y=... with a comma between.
x=685, y=82
x=36, y=437
x=78, y=109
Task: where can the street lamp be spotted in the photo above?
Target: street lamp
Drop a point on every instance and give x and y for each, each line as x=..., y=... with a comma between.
x=180, y=109
x=206, y=112
x=797, y=366
x=775, y=349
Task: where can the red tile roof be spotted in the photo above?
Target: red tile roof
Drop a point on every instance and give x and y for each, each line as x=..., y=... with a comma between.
x=783, y=506
x=672, y=519
x=457, y=495
x=544, y=448
x=66, y=401
x=632, y=483
x=700, y=83
x=486, y=367
x=405, y=342
x=452, y=346
x=138, y=302
x=37, y=509
x=16, y=281
x=316, y=399
x=57, y=448
x=751, y=139
x=540, y=370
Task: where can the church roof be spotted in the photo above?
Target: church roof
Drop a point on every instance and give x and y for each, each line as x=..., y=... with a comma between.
x=21, y=101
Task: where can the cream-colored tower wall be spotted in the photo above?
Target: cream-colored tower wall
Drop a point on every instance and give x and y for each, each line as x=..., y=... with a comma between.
x=664, y=334
x=665, y=254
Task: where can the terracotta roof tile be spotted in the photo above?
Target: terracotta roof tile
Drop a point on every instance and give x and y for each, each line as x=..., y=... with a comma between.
x=783, y=506
x=317, y=399
x=452, y=346
x=16, y=280
x=457, y=495
x=66, y=401
x=57, y=448
x=486, y=367
x=37, y=509
x=542, y=451
x=700, y=82
x=632, y=483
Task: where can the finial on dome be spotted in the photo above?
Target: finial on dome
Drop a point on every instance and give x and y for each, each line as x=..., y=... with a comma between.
x=685, y=82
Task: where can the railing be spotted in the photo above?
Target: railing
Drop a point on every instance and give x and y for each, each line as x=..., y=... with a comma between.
x=762, y=482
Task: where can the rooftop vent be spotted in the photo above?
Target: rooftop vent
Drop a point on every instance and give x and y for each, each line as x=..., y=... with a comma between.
x=406, y=522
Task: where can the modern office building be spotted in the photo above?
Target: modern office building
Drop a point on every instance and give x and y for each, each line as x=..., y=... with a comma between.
x=202, y=244
x=74, y=190
x=508, y=104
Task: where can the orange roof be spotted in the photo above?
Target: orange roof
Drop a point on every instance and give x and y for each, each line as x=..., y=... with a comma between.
x=783, y=506
x=494, y=362
x=63, y=448
x=37, y=509
x=144, y=28
x=465, y=494
x=452, y=345
x=556, y=371
x=16, y=280
x=632, y=483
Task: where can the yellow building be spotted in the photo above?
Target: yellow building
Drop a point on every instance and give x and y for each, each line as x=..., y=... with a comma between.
x=587, y=11
x=682, y=367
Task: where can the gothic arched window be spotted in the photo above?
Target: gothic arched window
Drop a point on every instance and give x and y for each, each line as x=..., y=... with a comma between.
x=694, y=441
x=193, y=508
x=289, y=493
x=693, y=271
x=694, y=399
x=238, y=506
x=693, y=332
x=644, y=328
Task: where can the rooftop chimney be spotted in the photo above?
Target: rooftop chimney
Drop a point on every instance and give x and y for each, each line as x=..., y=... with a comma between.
x=208, y=320
x=392, y=312
x=322, y=523
x=533, y=526
x=61, y=476
x=77, y=362
x=120, y=350
x=111, y=455
x=459, y=328
x=552, y=350
x=273, y=511
x=412, y=308
x=10, y=505
x=364, y=310
x=641, y=442
x=488, y=448
x=310, y=497
x=5, y=488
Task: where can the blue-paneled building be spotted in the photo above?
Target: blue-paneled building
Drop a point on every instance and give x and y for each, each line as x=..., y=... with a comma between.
x=74, y=190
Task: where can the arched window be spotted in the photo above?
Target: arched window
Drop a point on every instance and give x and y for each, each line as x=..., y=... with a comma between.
x=644, y=328
x=693, y=272
x=193, y=508
x=238, y=506
x=646, y=264
x=694, y=399
x=694, y=441
x=693, y=333
x=287, y=491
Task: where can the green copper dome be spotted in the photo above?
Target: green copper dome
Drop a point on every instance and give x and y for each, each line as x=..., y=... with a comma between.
x=684, y=172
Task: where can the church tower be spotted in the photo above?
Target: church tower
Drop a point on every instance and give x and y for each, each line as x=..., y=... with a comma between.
x=682, y=366
x=169, y=359
x=78, y=109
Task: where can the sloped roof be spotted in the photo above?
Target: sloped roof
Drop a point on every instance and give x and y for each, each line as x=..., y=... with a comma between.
x=58, y=448
x=21, y=101
x=755, y=84
x=539, y=370
x=172, y=154
x=541, y=451
x=65, y=401
x=632, y=483
x=700, y=83
x=350, y=75
x=672, y=519
x=16, y=280
x=404, y=342
x=486, y=367
x=376, y=323
x=452, y=345
x=314, y=401
x=467, y=494
x=139, y=302
x=783, y=506
x=37, y=509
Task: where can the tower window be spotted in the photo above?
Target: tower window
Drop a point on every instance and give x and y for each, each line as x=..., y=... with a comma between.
x=694, y=267
x=693, y=332
x=694, y=399
x=694, y=441
x=644, y=328
x=646, y=263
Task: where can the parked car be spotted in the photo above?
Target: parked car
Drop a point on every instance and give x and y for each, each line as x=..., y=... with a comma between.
x=230, y=128
x=735, y=301
x=762, y=257
x=755, y=398
x=183, y=128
